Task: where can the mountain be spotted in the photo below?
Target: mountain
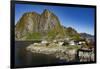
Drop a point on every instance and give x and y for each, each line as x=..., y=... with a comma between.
x=39, y=26
x=71, y=33
x=87, y=36
x=46, y=25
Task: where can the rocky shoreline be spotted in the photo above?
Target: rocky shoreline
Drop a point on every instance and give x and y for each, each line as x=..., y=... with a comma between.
x=64, y=52
x=60, y=52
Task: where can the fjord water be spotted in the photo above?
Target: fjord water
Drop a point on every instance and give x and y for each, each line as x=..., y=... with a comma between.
x=24, y=58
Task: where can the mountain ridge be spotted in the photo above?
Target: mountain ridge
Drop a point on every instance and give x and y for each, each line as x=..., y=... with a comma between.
x=32, y=23
x=46, y=25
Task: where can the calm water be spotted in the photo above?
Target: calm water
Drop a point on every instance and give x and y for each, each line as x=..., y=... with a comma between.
x=24, y=58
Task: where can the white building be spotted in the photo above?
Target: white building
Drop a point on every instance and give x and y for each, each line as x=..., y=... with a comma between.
x=44, y=42
x=72, y=43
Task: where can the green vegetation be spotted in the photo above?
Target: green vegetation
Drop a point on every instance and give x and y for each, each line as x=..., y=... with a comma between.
x=21, y=23
x=72, y=33
x=76, y=37
x=51, y=34
x=73, y=47
x=35, y=35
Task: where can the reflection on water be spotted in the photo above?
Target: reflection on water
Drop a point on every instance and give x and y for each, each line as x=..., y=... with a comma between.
x=24, y=58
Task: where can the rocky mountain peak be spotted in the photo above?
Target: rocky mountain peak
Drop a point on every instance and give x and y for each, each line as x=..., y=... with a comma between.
x=46, y=11
x=37, y=26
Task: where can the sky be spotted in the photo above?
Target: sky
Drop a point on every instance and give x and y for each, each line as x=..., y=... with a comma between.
x=81, y=19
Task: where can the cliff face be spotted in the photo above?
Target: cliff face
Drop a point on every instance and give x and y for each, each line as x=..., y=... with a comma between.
x=48, y=21
x=27, y=24
x=38, y=26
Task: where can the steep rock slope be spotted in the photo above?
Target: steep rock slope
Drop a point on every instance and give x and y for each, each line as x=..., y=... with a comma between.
x=38, y=26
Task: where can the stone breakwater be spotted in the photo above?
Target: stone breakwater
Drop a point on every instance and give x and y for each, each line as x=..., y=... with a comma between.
x=60, y=52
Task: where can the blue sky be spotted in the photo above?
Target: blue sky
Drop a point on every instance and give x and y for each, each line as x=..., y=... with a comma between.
x=81, y=19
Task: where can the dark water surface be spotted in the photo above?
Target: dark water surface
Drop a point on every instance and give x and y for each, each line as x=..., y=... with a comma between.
x=24, y=58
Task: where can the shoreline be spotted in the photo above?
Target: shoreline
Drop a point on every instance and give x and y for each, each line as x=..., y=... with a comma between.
x=60, y=52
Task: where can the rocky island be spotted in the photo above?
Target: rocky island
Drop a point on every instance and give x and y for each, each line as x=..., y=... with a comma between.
x=61, y=52
x=67, y=53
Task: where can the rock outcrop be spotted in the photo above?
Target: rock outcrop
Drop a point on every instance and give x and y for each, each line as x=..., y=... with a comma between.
x=53, y=49
x=38, y=26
